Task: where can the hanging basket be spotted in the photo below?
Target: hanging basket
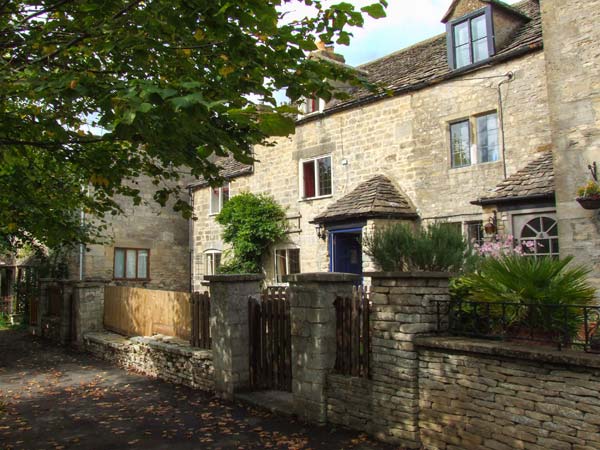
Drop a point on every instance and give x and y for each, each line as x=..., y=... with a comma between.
x=589, y=202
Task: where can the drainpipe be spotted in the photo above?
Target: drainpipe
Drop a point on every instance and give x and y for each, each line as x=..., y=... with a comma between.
x=81, y=249
x=191, y=239
x=509, y=78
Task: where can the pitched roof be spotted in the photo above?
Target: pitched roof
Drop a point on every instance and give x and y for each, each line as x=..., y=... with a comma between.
x=534, y=181
x=377, y=197
x=229, y=168
x=505, y=6
x=426, y=63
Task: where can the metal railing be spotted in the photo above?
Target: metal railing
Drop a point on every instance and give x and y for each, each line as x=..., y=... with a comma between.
x=560, y=325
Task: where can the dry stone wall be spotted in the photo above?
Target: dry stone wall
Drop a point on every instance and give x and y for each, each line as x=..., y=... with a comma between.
x=168, y=359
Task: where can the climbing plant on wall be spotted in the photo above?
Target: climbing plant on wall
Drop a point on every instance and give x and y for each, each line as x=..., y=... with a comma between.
x=251, y=224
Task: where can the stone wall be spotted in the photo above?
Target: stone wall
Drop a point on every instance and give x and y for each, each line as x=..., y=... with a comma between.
x=405, y=138
x=482, y=395
x=146, y=226
x=572, y=46
x=168, y=359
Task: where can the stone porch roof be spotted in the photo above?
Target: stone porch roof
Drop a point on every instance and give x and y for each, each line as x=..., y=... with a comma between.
x=375, y=198
x=534, y=182
x=426, y=63
x=229, y=169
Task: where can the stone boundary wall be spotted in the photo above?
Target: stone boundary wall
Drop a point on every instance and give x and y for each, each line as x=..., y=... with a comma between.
x=168, y=359
x=482, y=395
x=349, y=402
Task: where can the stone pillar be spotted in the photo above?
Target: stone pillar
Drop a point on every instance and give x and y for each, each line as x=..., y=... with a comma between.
x=403, y=307
x=88, y=309
x=229, y=329
x=314, y=337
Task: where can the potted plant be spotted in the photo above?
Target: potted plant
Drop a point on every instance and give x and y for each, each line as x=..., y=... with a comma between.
x=589, y=195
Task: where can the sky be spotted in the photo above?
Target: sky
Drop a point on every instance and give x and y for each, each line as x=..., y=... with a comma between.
x=407, y=22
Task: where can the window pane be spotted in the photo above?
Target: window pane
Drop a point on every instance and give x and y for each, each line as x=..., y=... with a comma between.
x=462, y=56
x=294, y=260
x=487, y=138
x=480, y=50
x=460, y=144
x=224, y=195
x=142, y=270
x=214, y=201
x=209, y=270
x=119, y=263
x=324, y=176
x=130, y=264
x=308, y=173
x=478, y=28
x=475, y=232
x=461, y=34
x=280, y=265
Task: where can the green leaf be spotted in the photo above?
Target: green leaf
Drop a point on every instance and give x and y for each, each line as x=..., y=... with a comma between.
x=276, y=124
x=376, y=11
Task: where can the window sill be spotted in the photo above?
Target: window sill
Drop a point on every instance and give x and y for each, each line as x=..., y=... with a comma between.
x=476, y=166
x=310, y=199
x=136, y=280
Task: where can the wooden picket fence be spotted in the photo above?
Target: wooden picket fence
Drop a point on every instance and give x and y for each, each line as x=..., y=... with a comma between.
x=270, y=340
x=201, y=320
x=352, y=334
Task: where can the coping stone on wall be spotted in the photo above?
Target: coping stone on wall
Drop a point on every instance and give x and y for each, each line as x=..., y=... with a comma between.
x=510, y=350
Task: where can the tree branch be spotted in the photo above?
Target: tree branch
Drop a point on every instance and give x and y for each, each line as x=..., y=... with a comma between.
x=44, y=11
x=132, y=5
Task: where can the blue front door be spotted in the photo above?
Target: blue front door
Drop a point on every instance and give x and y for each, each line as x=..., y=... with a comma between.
x=346, y=251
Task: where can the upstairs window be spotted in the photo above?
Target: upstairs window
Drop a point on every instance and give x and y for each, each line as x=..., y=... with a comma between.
x=131, y=264
x=470, y=39
x=486, y=136
x=287, y=261
x=218, y=197
x=212, y=262
x=460, y=143
x=316, y=177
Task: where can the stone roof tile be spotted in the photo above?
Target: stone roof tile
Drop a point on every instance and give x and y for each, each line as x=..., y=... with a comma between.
x=377, y=197
x=535, y=179
x=229, y=168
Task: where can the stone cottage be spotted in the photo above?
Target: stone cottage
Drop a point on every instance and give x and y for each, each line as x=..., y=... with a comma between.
x=465, y=138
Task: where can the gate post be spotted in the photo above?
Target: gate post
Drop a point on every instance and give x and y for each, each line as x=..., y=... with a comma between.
x=313, y=320
x=229, y=329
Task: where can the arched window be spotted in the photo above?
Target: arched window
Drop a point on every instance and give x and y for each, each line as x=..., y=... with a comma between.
x=542, y=231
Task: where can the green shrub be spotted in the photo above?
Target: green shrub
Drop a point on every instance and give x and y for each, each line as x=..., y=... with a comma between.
x=251, y=224
x=541, y=281
x=401, y=247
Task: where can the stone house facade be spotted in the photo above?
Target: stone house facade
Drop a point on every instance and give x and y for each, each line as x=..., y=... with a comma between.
x=456, y=127
x=148, y=247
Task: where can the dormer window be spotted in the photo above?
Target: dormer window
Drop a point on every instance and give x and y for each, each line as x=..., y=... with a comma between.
x=470, y=39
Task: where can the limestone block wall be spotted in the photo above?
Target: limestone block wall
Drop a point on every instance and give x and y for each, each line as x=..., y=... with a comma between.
x=471, y=396
x=147, y=226
x=572, y=51
x=170, y=360
x=405, y=138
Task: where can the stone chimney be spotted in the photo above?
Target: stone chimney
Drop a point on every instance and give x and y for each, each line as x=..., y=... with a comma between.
x=327, y=51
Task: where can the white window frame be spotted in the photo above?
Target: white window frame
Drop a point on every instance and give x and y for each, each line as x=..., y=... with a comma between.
x=301, y=177
x=210, y=268
x=304, y=107
x=210, y=203
x=287, y=263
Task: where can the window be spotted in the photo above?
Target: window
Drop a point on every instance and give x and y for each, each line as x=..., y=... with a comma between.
x=132, y=264
x=218, y=197
x=212, y=262
x=316, y=177
x=287, y=261
x=542, y=235
x=311, y=105
x=470, y=40
x=486, y=136
x=475, y=232
x=460, y=143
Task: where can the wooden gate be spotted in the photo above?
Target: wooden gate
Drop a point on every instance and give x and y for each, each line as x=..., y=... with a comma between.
x=270, y=340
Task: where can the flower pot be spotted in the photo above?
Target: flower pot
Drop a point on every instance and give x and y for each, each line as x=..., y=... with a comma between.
x=589, y=202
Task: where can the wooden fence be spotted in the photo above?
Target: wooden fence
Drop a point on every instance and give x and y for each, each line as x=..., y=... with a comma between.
x=352, y=325
x=201, y=320
x=270, y=340
x=6, y=305
x=145, y=312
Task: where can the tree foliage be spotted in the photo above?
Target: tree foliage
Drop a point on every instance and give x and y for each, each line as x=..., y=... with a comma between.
x=169, y=83
x=251, y=224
